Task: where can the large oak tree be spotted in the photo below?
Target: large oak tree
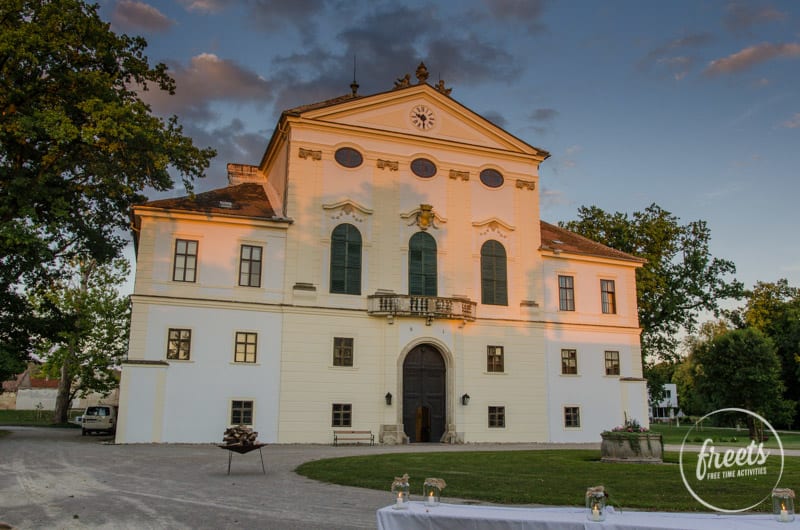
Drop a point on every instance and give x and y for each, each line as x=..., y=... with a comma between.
x=679, y=281
x=78, y=147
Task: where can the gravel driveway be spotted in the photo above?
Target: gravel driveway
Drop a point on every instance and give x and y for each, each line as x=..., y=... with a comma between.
x=56, y=478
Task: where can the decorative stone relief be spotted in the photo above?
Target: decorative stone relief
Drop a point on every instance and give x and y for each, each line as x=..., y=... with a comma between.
x=391, y=165
x=456, y=174
x=343, y=209
x=526, y=184
x=424, y=217
x=495, y=227
x=309, y=153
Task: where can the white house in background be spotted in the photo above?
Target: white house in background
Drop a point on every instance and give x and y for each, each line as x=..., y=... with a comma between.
x=667, y=409
x=383, y=267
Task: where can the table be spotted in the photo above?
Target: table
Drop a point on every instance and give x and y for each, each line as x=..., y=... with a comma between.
x=466, y=517
x=243, y=450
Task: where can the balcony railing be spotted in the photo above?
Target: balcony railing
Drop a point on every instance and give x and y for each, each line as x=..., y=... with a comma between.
x=421, y=306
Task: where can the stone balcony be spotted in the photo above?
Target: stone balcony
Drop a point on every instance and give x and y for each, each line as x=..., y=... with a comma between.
x=428, y=307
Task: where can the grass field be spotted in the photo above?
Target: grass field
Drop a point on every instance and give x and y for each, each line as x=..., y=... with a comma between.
x=43, y=418
x=553, y=477
x=673, y=435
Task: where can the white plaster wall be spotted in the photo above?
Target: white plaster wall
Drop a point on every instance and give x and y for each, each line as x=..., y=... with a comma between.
x=141, y=408
x=198, y=391
x=603, y=399
x=30, y=398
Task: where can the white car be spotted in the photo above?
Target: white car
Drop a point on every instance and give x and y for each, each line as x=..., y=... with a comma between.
x=99, y=418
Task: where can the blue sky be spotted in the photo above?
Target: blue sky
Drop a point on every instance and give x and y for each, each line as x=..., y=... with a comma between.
x=693, y=105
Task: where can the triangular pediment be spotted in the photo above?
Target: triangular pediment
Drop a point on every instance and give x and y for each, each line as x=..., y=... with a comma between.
x=410, y=111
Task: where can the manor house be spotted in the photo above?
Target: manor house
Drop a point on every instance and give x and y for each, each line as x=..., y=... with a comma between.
x=382, y=268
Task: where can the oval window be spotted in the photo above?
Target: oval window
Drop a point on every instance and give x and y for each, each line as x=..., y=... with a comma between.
x=492, y=178
x=348, y=157
x=422, y=167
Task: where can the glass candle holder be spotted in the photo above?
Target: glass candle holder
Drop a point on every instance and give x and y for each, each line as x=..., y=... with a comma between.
x=432, y=491
x=401, y=492
x=596, y=504
x=783, y=505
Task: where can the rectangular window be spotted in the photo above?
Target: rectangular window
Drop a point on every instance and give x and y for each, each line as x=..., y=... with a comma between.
x=494, y=359
x=342, y=415
x=241, y=412
x=246, y=344
x=612, y=363
x=250, y=266
x=342, y=351
x=569, y=362
x=497, y=417
x=185, y=266
x=572, y=417
x=179, y=344
x=566, y=293
x=609, y=297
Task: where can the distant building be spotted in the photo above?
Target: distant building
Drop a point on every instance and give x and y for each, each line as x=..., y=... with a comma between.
x=383, y=267
x=667, y=409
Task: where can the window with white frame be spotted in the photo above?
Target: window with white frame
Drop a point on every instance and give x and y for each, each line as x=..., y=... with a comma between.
x=241, y=412
x=497, y=417
x=250, y=266
x=608, y=296
x=246, y=347
x=572, y=417
x=569, y=362
x=494, y=359
x=342, y=415
x=612, y=363
x=185, y=264
x=566, y=293
x=343, y=351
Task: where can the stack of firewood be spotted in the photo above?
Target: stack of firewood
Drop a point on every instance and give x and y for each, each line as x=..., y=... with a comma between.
x=240, y=435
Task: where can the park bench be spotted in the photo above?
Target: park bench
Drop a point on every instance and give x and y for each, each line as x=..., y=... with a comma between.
x=353, y=436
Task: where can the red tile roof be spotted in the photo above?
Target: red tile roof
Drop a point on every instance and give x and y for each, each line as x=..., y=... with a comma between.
x=555, y=238
x=242, y=200
x=44, y=383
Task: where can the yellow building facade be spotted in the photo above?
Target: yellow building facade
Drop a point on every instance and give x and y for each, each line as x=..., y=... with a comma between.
x=383, y=268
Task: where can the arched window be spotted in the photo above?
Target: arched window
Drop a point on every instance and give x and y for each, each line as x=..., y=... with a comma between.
x=346, y=260
x=494, y=285
x=422, y=264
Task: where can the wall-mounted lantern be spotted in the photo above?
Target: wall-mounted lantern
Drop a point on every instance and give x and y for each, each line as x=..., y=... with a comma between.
x=465, y=399
x=388, y=398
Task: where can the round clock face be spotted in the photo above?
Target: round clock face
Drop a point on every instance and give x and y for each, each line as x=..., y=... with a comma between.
x=422, y=117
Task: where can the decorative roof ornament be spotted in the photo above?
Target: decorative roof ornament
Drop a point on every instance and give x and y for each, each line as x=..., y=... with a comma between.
x=422, y=73
x=441, y=88
x=403, y=82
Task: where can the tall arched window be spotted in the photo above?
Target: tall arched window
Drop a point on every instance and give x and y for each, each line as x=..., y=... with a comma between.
x=422, y=264
x=346, y=260
x=494, y=284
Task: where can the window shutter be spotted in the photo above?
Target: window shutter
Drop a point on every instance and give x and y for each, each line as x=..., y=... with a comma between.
x=422, y=269
x=346, y=260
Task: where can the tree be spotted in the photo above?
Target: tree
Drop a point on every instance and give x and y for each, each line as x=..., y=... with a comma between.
x=774, y=309
x=86, y=355
x=741, y=369
x=689, y=400
x=680, y=279
x=78, y=146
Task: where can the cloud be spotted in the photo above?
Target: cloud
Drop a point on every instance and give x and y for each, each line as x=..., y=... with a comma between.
x=752, y=56
x=527, y=12
x=207, y=79
x=132, y=15
x=496, y=118
x=740, y=17
x=205, y=6
x=672, y=57
x=550, y=197
x=458, y=57
x=793, y=122
x=544, y=117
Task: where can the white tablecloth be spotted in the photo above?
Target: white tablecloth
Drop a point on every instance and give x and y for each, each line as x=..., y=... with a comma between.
x=466, y=517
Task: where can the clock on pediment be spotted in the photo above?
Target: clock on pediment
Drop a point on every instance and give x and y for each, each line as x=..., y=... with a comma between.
x=423, y=117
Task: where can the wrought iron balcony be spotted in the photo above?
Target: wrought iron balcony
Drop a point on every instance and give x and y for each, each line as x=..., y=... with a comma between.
x=390, y=304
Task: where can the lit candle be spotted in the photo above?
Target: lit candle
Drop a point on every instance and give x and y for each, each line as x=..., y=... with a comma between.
x=595, y=513
x=431, y=500
x=784, y=516
x=399, y=500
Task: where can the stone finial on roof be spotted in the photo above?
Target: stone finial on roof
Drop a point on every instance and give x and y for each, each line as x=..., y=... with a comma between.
x=422, y=73
x=403, y=82
x=441, y=88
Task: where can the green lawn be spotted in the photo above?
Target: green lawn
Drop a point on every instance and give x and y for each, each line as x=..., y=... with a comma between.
x=674, y=435
x=42, y=418
x=553, y=477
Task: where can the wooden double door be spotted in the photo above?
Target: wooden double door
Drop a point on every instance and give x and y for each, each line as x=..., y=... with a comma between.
x=424, y=394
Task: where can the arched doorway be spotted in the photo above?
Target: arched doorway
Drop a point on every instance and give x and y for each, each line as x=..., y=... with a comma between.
x=424, y=394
